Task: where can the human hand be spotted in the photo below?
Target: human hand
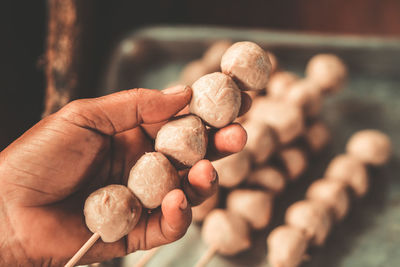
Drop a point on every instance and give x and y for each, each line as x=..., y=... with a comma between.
x=47, y=173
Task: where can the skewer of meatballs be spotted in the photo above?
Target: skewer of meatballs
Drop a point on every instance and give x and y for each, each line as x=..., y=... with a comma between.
x=113, y=211
x=285, y=87
x=227, y=231
x=273, y=123
x=217, y=49
x=303, y=97
x=309, y=221
x=244, y=65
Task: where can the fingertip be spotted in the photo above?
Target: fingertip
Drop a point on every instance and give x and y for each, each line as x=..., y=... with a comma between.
x=176, y=211
x=178, y=96
x=162, y=226
x=201, y=182
x=203, y=177
x=230, y=139
x=173, y=200
x=177, y=89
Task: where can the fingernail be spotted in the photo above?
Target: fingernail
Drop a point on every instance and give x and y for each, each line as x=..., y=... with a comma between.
x=183, y=204
x=214, y=176
x=178, y=89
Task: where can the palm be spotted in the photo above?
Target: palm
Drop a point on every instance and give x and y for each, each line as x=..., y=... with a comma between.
x=54, y=216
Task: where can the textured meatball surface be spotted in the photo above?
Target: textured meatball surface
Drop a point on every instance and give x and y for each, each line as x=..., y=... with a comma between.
x=216, y=99
x=151, y=178
x=248, y=64
x=112, y=212
x=255, y=206
x=226, y=232
x=184, y=140
x=287, y=246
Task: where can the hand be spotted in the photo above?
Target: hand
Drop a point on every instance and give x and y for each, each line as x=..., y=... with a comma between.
x=47, y=173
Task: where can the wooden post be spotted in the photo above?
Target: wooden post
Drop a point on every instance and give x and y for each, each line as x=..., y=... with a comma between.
x=68, y=34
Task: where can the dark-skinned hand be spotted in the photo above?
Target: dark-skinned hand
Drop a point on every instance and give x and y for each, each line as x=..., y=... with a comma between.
x=46, y=174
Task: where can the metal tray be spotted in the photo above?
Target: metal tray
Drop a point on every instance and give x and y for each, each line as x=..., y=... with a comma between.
x=370, y=235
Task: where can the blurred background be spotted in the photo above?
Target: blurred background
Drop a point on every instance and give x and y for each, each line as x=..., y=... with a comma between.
x=81, y=35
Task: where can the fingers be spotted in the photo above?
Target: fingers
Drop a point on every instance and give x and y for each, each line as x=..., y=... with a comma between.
x=225, y=141
x=177, y=215
x=125, y=110
x=163, y=226
x=201, y=182
x=246, y=104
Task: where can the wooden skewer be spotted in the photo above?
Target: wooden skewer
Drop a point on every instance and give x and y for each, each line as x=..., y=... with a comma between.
x=78, y=255
x=206, y=257
x=146, y=257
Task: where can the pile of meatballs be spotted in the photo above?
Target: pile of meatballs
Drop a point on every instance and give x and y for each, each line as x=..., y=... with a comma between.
x=284, y=130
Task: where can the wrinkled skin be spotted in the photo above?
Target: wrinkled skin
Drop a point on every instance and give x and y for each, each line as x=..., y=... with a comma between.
x=47, y=173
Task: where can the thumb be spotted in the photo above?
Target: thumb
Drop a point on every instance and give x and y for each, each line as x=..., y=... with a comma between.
x=125, y=110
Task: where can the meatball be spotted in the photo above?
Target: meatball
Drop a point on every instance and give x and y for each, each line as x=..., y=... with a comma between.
x=261, y=141
x=228, y=233
x=151, y=178
x=351, y=172
x=328, y=71
x=279, y=84
x=183, y=140
x=287, y=246
x=216, y=99
x=286, y=120
x=269, y=178
x=312, y=217
x=233, y=169
x=255, y=206
x=333, y=194
x=112, y=212
x=201, y=211
x=370, y=146
x=248, y=64
x=305, y=94
x=294, y=160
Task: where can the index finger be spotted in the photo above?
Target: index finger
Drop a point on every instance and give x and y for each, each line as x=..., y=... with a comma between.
x=225, y=141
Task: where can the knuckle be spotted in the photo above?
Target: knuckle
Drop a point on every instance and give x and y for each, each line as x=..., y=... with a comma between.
x=72, y=108
x=76, y=112
x=135, y=92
